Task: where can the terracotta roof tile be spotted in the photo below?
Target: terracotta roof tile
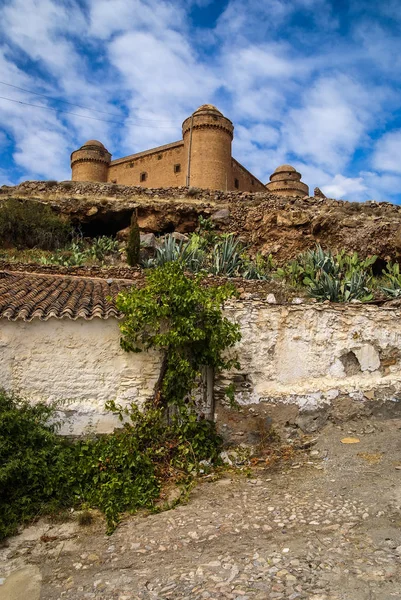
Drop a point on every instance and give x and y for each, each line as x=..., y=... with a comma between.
x=28, y=296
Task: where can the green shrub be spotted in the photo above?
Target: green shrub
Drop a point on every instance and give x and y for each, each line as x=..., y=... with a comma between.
x=32, y=460
x=121, y=472
x=27, y=224
x=134, y=242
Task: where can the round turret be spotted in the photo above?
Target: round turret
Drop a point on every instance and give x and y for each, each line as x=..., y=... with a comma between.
x=286, y=181
x=207, y=135
x=90, y=162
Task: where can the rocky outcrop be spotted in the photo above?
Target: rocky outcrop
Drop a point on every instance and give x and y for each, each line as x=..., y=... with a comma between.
x=268, y=223
x=317, y=192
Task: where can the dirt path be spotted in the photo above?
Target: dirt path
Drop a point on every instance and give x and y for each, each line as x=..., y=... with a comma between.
x=324, y=528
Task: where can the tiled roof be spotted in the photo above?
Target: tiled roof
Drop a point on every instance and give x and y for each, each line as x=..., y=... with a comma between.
x=27, y=296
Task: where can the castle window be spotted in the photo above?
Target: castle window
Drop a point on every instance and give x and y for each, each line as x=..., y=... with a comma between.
x=159, y=156
x=177, y=168
x=131, y=165
x=143, y=176
x=236, y=184
x=252, y=182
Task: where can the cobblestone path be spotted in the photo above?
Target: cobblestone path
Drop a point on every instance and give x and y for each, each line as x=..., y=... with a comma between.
x=324, y=528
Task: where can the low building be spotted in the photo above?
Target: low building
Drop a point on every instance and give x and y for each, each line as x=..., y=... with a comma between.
x=59, y=341
x=203, y=159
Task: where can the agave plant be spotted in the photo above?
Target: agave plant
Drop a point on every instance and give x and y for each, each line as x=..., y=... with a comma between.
x=168, y=251
x=226, y=257
x=392, y=280
x=102, y=246
x=331, y=287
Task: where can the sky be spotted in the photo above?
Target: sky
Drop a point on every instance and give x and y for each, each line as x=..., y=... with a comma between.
x=313, y=83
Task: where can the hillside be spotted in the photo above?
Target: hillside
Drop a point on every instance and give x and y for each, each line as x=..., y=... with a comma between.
x=269, y=224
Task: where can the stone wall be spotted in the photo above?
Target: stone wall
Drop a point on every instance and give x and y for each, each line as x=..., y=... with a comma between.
x=246, y=181
x=160, y=167
x=303, y=364
x=77, y=362
x=300, y=364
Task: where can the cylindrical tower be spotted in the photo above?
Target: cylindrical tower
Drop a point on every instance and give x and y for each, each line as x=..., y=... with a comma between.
x=207, y=135
x=286, y=181
x=90, y=162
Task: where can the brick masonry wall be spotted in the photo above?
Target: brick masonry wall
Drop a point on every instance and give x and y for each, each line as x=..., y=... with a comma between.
x=158, y=166
x=90, y=171
x=210, y=158
x=247, y=181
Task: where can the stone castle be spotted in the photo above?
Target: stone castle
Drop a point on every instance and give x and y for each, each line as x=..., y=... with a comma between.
x=203, y=159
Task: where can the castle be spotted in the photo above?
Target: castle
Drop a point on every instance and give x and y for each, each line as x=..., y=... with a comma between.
x=203, y=159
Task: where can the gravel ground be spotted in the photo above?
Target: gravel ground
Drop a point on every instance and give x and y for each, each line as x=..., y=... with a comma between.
x=323, y=526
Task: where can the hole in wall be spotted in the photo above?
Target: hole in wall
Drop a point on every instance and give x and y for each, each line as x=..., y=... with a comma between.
x=378, y=266
x=105, y=225
x=350, y=363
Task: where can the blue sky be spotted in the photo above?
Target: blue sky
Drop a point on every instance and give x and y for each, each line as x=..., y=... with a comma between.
x=314, y=83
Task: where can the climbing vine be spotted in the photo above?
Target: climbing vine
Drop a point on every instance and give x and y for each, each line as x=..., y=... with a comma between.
x=183, y=319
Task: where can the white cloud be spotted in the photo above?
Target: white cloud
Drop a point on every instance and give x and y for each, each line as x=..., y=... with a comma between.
x=345, y=187
x=108, y=17
x=387, y=155
x=164, y=81
x=332, y=122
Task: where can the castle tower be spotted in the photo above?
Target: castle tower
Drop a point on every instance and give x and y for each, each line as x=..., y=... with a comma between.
x=207, y=135
x=90, y=162
x=286, y=181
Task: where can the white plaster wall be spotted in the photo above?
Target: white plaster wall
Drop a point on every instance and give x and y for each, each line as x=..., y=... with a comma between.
x=292, y=353
x=78, y=362
x=288, y=354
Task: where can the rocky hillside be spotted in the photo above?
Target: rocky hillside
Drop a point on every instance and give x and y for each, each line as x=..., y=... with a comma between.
x=270, y=224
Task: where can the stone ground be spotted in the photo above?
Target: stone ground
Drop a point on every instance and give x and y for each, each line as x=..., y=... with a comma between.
x=323, y=526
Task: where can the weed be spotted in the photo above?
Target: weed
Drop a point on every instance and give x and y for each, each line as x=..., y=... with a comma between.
x=85, y=518
x=27, y=224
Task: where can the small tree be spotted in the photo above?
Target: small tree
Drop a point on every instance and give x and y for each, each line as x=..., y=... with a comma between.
x=183, y=319
x=134, y=241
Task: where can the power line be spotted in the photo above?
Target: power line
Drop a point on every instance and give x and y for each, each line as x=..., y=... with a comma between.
x=84, y=116
x=77, y=105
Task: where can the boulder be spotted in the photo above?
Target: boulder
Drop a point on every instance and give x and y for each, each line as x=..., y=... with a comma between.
x=221, y=216
x=180, y=237
x=148, y=240
x=123, y=234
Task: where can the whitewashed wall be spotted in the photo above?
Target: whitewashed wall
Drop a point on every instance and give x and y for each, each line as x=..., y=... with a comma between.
x=293, y=354
x=79, y=362
x=301, y=353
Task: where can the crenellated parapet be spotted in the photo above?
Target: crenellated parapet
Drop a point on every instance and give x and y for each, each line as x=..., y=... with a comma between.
x=91, y=162
x=286, y=181
x=207, y=135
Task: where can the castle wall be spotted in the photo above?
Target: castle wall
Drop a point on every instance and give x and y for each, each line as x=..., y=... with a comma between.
x=90, y=171
x=210, y=158
x=246, y=181
x=159, y=165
